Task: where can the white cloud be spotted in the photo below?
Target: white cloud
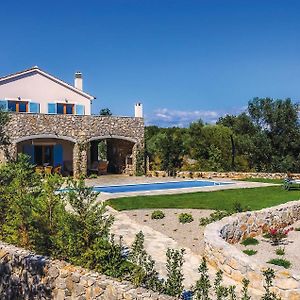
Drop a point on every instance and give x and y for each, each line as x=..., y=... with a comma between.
x=167, y=117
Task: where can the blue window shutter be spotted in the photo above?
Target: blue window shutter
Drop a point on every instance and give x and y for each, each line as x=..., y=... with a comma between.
x=58, y=155
x=34, y=107
x=3, y=104
x=29, y=150
x=79, y=109
x=51, y=108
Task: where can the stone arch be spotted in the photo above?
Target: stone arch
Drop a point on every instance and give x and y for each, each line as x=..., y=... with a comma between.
x=43, y=136
x=117, y=137
x=120, y=153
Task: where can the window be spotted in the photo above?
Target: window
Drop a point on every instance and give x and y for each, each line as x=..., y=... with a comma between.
x=18, y=106
x=65, y=109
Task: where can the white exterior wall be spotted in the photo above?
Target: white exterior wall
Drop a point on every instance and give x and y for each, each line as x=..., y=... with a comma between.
x=38, y=88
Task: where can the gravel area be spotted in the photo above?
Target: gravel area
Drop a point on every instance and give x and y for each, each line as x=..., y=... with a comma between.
x=188, y=235
x=266, y=251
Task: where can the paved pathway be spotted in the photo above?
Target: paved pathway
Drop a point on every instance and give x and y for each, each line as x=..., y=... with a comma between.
x=156, y=244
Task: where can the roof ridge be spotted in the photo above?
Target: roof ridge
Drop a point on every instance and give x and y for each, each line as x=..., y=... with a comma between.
x=50, y=75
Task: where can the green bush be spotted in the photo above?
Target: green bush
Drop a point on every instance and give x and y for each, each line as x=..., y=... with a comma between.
x=297, y=229
x=250, y=252
x=213, y=217
x=280, y=251
x=250, y=241
x=185, y=218
x=157, y=215
x=280, y=262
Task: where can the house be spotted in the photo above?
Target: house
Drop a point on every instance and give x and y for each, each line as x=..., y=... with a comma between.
x=51, y=121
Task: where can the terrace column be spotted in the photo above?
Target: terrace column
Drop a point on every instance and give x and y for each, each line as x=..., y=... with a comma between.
x=134, y=158
x=80, y=159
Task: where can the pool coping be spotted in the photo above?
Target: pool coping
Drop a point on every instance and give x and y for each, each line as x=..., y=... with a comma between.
x=235, y=185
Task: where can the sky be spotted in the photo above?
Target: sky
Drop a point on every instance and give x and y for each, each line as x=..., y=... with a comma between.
x=184, y=60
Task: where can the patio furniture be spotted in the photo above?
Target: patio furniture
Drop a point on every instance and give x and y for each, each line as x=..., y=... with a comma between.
x=48, y=170
x=102, y=167
x=99, y=167
x=289, y=184
x=57, y=170
x=39, y=170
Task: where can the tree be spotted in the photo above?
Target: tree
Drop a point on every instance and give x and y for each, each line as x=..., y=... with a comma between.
x=278, y=120
x=105, y=112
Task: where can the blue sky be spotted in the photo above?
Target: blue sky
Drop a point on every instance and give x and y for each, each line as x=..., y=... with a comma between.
x=184, y=60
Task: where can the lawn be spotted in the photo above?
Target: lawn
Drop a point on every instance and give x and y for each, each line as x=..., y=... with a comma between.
x=265, y=180
x=254, y=198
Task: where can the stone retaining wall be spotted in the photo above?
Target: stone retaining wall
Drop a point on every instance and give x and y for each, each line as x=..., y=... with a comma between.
x=235, y=175
x=221, y=254
x=24, y=275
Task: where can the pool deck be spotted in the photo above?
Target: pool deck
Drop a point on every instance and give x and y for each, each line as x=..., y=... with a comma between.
x=122, y=180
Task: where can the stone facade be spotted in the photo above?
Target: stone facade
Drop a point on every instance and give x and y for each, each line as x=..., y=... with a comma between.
x=221, y=254
x=24, y=275
x=78, y=129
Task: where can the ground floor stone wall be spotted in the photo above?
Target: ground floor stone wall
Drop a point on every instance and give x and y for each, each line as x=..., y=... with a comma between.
x=24, y=275
x=220, y=252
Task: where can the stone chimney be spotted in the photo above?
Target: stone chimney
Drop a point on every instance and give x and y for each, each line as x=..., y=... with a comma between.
x=78, y=81
x=138, y=110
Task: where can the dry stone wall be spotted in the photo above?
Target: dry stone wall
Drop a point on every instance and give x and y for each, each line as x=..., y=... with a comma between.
x=24, y=275
x=220, y=252
x=235, y=175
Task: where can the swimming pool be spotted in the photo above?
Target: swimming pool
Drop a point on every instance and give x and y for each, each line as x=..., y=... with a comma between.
x=143, y=187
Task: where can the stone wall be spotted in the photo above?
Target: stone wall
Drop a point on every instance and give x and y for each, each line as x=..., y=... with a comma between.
x=78, y=129
x=235, y=175
x=221, y=254
x=24, y=275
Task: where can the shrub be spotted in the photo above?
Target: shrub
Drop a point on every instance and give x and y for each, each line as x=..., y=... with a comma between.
x=280, y=251
x=237, y=207
x=269, y=276
x=250, y=241
x=93, y=176
x=215, y=216
x=280, y=262
x=297, y=229
x=157, y=215
x=185, y=218
x=250, y=252
x=277, y=235
x=174, y=283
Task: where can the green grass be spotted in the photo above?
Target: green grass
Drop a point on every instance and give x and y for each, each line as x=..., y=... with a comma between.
x=264, y=180
x=254, y=198
x=250, y=252
x=280, y=262
x=250, y=241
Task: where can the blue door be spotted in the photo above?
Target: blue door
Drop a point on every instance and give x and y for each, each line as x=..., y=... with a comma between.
x=58, y=155
x=29, y=150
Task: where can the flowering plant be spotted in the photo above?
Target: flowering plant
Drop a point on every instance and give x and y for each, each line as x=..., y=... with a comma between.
x=277, y=235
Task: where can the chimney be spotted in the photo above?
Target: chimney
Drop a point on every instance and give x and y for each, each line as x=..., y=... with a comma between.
x=138, y=110
x=78, y=81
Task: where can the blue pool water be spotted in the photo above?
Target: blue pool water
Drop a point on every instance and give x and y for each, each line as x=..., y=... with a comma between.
x=157, y=186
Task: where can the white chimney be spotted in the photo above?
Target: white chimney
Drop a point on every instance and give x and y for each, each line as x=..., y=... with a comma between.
x=138, y=110
x=78, y=81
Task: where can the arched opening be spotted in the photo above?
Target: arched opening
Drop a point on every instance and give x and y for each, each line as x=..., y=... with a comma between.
x=111, y=155
x=48, y=152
